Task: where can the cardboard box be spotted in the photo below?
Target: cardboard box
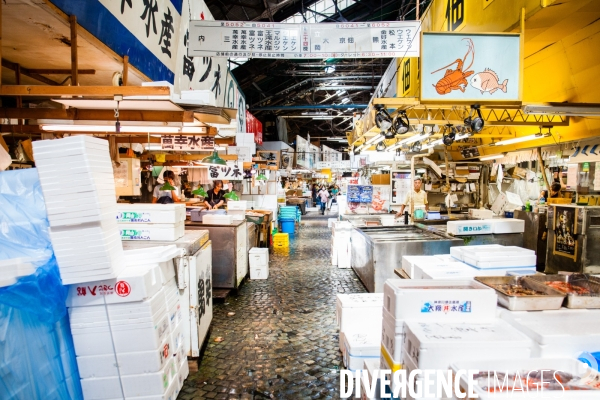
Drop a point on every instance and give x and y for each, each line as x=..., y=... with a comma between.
x=380, y=179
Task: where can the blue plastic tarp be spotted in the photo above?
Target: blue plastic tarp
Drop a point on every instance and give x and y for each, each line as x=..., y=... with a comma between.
x=37, y=357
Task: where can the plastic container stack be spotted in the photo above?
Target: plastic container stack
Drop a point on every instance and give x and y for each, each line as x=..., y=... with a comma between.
x=341, y=251
x=127, y=331
x=288, y=215
x=359, y=321
x=158, y=222
x=259, y=263
x=281, y=241
x=76, y=177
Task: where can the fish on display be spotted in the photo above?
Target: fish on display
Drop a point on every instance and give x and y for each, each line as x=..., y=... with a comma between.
x=487, y=81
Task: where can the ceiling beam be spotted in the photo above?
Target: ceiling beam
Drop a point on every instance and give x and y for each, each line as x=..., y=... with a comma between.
x=190, y=157
x=96, y=115
x=87, y=91
x=24, y=71
x=311, y=107
x=58, y=71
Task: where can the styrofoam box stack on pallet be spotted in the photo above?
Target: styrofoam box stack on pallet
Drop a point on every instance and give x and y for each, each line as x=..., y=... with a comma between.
x=259, y=263
x=341, y=250
x=359, y=316
x=135, y=322
x=435, y=346
x=76, y=176
x=160, y=222
x=429, y=301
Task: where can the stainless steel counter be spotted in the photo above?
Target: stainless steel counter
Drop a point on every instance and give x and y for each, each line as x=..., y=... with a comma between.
x=229, y=251
x=378, y=251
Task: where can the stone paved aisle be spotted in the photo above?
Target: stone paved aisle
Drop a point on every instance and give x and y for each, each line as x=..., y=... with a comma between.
x=282, y=341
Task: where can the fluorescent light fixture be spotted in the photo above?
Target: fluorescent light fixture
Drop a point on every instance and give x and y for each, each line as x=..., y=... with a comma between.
x=432, y=144
x=111, y=128
x=521, y=139
x=493, y=157
x=192, y=129
x=571, y=110
x=330, y=69
x=345, y=100
x=374, y=140
x=322, y=117
x=315, y=113
x=462, y=136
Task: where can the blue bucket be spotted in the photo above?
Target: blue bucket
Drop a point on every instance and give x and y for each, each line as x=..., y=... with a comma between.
x=288, y=226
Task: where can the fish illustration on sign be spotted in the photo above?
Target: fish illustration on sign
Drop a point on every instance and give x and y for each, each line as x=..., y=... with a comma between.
x=487, y=81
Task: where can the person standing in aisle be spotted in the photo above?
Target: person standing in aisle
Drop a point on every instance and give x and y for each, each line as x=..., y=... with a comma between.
x=414, y=198
x=314, y=193
x=324, y=197
x=215, y=197
x=166, y=196
x=334, y=192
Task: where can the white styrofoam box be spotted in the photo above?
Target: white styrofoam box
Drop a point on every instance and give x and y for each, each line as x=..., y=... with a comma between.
x=334, y=257
x=558, y=333
x=259, y=256
x=421, y=265
x=330, y=222
x=358, y=312
x=259, y=272
x=216, y=219
x=446, y=272
x=469, y=227
x=507, y=225
x=128, y=336
x=184, y=371
x=342, y=228
x=409, y=366
x=428, y=300
x=371, y=366
x=359, y=347
x=79, y=218
x=178, y=340
x=481, y=213
x=150, y=213
x=153, y=308
x=237, y=205
x=392, y=341
x=165, y=232
x=14, y=268
x=129, y=363
x=344, y=257
x=437, y=345
x=161, y=255
x=506, y=257
x=408, y=263
x=458, y=251
x=133, y=386
x=524, y=366
x=506, y=202
x=133, y=284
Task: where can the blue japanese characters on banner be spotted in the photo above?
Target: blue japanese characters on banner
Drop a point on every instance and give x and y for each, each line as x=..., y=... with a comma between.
x=360, y=193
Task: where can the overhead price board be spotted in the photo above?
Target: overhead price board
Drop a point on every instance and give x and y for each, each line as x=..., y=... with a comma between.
x=395, y=39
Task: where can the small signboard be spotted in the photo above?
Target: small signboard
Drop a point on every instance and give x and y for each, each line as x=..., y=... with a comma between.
x=360, y=193
x=187, y=142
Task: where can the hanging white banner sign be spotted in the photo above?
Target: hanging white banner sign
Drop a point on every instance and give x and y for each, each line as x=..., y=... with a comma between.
x=233, y=171
x=394, y=39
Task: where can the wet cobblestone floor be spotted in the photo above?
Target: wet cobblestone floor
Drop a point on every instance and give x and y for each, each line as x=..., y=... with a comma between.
x=282, y=341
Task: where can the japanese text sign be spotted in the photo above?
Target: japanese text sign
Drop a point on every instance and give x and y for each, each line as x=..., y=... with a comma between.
x=187, y=142
x=233, y=171
x=323, y=40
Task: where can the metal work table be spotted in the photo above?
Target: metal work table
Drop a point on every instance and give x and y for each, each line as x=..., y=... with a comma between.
x=229, y=251
x=377, y=251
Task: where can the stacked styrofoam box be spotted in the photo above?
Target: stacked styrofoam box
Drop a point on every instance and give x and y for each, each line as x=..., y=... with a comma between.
x=237, y=209
x=77, y=180
x=359, y=320
x=429, y=301
x=158, y=222
x=558, y=333
x=133, y=321
x=435, y=346
x=259, y=263
x=217, y=219
x=341, y=250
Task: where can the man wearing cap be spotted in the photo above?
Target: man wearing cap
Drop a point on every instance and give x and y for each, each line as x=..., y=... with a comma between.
x=414, y=198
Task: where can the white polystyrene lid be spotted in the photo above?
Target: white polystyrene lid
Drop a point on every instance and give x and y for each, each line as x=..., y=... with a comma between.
x=363, y=344
x=151, y=255
x=361, y=300
x=259, y=250
x=437, y=285
x=436, y=335
x=555, y=326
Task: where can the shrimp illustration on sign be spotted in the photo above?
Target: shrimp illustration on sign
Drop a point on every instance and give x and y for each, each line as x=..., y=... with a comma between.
x=487, y=81
x=456, y=79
